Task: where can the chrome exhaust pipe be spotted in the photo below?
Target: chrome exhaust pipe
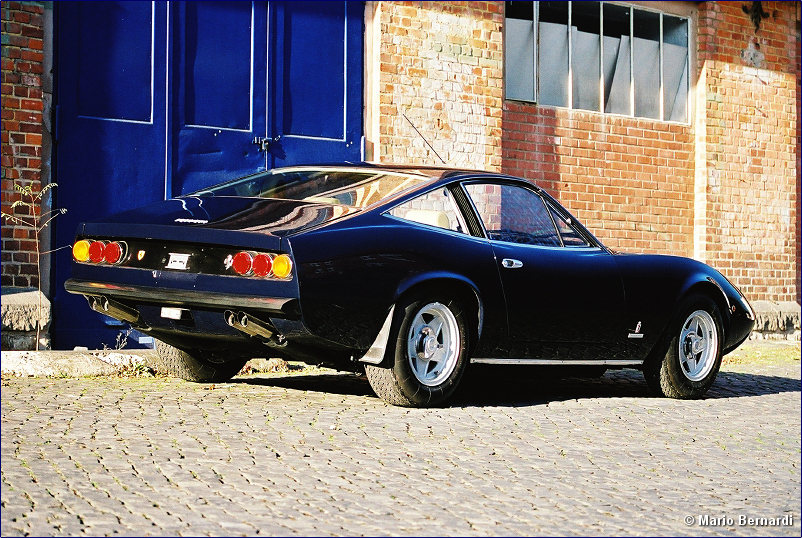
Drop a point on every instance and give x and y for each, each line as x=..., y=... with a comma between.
x=248, y=325
x=112, y=308
x=231, y=319
x=255, y=326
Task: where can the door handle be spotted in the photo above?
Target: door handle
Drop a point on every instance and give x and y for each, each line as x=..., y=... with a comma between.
x=509, y=263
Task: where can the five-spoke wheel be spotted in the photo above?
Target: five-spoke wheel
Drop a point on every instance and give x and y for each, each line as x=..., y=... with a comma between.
x=427, y=353
x=433, y=344
x=698, y=344
x=689, y=365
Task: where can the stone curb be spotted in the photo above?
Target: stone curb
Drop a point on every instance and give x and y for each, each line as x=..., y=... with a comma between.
x=19, y=310
x=781, y=318
x=82, y=363
x=73, y=363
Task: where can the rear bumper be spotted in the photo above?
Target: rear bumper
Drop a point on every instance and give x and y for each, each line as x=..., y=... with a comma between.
x=208, y=319
x=278, y=306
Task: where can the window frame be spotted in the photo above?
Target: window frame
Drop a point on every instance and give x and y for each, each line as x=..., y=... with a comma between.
x=661, y=8
x=455, y=206
x=548, y=202
x=569, y=221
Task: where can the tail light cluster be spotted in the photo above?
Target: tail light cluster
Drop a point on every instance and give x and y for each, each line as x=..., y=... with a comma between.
x=260, y=264
x=212, y=260
x=108, y=252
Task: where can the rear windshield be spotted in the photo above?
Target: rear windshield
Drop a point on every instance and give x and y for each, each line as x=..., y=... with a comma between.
x=354, y=188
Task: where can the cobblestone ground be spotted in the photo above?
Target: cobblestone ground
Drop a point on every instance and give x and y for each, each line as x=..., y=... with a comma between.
x=319, y=455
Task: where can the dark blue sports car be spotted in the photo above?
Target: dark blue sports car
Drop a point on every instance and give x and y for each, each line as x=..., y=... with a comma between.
x=408, y=273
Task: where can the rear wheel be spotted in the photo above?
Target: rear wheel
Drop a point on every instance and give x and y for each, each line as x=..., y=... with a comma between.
x=196, y=365
x=430, y=341
x=693, y=358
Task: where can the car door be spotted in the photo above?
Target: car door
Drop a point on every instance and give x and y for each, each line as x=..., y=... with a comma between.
x=564, y=295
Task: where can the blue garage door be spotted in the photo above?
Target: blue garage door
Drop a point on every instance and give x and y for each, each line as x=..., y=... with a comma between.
x=158, y=100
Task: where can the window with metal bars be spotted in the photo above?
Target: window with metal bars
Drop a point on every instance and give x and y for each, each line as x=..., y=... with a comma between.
x=598, y=56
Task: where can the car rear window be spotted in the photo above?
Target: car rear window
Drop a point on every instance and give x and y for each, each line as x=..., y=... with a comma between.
x=353, y=188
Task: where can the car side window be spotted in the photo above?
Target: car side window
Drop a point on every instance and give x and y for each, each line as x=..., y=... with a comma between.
x=570, y=236
x=513, y=214
x=435, y=208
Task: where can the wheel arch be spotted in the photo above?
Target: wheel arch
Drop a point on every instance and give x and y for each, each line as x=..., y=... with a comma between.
x=449, y=283
x=433, y=283
x=709, y=287
x=696, y=284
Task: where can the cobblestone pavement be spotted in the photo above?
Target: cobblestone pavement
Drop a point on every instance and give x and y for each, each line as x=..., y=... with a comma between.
x=319, y=455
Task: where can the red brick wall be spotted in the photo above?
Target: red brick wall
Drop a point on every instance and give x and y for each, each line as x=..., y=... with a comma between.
x=22, y=57
x=723, y=188
x=748, y=135
x=629, y=180
x=440, y=63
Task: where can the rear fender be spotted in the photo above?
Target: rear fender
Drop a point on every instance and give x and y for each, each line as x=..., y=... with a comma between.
x=422, y=284
x=444, y=282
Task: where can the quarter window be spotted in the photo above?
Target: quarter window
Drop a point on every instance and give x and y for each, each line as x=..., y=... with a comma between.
x=570, y=236
x=598, y=56
x=435, y=208
x=513, y=214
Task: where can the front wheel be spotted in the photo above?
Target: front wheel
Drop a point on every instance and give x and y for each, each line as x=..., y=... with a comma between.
x=198, y=366
x=430, y=354
x=693, y=358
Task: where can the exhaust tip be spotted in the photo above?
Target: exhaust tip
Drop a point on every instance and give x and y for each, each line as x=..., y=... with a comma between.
x=230, y=317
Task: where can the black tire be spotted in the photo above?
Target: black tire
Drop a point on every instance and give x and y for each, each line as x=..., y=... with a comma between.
x=196, y=365
x=397, y=383
x=674, y=373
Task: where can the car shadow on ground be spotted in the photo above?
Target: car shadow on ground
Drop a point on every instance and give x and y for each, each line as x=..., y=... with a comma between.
x=514, y=386
x=500, y=385
x=331, y=383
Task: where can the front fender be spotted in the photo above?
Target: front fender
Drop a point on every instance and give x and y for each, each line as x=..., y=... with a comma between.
x=736, y=312
x=655, y=286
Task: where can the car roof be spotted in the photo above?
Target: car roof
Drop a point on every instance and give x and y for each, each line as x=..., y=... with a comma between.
x=432, y=172
x=432, y=176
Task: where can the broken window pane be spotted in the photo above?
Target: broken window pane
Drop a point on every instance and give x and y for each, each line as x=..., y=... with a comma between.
x=585, y=54
x=613, y=49
x=519, y=53
x=675, y=68
x=553, y=53
x=646, y=49
x=616, y=59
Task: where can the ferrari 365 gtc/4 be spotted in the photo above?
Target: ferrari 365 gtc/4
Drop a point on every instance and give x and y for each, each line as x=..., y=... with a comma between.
x=408, y=273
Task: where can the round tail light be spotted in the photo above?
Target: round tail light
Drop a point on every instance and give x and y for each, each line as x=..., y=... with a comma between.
x=242, y=263
x=80, y=250
x=113, y=252
x=262, y=264
x=282, y=266
x=96, y=251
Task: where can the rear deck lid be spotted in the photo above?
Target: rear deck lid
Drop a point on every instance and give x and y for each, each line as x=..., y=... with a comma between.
x=223, y=219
